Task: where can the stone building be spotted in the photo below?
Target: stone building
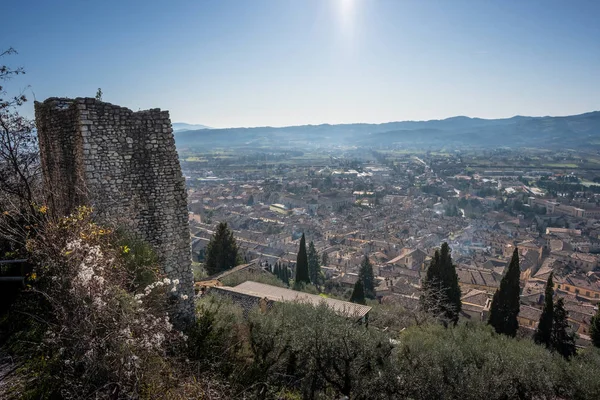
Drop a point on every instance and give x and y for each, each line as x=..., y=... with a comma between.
x=124, y=164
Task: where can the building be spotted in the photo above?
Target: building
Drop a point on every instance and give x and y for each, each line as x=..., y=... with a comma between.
x=580, y=286
x=280, y=208
x=250, y=294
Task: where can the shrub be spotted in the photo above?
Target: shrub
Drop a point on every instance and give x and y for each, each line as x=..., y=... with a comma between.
x=472, y=362
x=99, y=330
x=238, y=277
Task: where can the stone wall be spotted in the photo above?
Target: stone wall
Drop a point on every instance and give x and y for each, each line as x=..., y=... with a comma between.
x=125, y=165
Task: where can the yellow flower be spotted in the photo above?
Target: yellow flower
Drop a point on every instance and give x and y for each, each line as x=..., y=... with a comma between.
x=125, y=249
x=43, y=209
x=33, y=276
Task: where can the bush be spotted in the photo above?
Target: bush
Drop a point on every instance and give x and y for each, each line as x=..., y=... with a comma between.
x=216, y=340
x=238, y=277
x=472, y=362
x=314, y=350
x=88, y=325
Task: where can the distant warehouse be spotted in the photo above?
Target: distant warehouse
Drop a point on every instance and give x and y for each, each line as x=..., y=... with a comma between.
x=250, y=294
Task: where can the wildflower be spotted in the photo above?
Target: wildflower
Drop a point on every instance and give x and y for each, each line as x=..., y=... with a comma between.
x=43, y=209
x=33, y=276
x=184, y=296
x=167, y=281
x=174, y=289
x=175, y=282
x=125, y=249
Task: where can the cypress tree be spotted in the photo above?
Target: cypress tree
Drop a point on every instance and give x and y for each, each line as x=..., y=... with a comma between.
x=563, y=341
x=505, y=304
x=286, y=275
x=365, y=274
x=314, y=268
x=324, y=259
x=431, y=286
x=302, y=264
x=221, y=251
x=450, y=289
x=543, y=333
x=595, y=328
x=358, y=294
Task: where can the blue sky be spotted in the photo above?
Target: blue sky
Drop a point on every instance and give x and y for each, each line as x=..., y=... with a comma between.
x=227, y=63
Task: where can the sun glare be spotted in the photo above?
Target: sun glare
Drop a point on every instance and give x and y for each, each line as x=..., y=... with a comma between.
x=346, y=10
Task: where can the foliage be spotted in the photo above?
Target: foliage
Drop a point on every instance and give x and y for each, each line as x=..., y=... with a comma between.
x=543, y=333
x=324, y=259
x=314, y=266
x=562, y=339
x=314, y=350
x=19, y=157
x=283, y=273
x=216, y=339
x=441, y=292
x=365, y=274
x=222, y=251
x=472, y=362
x=595, y=329
x=238, y=277
x=99, y=94
x=358, y=294
x=506, y=301
x=97, y=330
x=302, y=274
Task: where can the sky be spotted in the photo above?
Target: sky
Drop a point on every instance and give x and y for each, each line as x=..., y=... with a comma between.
x=233, y=63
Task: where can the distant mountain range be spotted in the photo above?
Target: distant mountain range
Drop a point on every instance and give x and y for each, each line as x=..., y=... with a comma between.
x=182, y=126
x=575, y=131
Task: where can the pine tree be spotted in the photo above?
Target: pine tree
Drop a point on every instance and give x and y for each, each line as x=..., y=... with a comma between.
x=358, y=294
x=365, y=274
x=563, y=341
x=595, y=328
x=543, y=333
x=505, y=304
x=221, y=251
x=302, y=264
x=450, y=288
x=314, y=267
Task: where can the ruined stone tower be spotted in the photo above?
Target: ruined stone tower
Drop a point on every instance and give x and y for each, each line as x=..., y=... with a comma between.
x=125, y=165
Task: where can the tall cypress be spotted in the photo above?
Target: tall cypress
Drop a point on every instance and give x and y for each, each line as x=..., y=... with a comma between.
x=358, y=294
x=286, y=275
x=302, y=264
x=314, y=267
x=563, y=340
x=431, y=286
x=450, y=288
x=440, y=289
x=505, y=304
x=365, y=274
x=543, y=333
x=595, y=328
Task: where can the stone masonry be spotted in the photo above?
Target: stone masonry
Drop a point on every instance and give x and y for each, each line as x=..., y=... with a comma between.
x=125, y=165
